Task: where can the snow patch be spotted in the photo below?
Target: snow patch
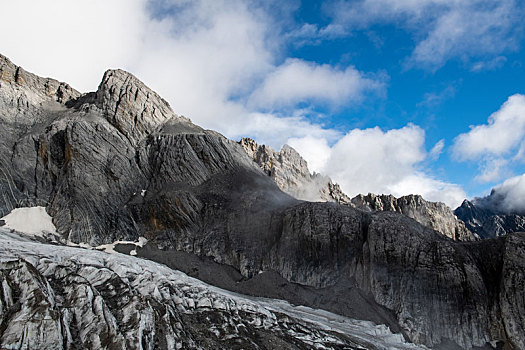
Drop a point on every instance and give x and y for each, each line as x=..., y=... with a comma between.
x=33, y=221
x=110, y=248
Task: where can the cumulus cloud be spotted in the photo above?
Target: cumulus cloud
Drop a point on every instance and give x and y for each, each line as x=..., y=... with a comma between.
x=508, y=197
x=314, y=150
x=504, y=130
x=444, y=29
x=377, y=161
x=74, y=41
x=496, y=143
x=221, y=64
x=298, y=81
x=214, y=61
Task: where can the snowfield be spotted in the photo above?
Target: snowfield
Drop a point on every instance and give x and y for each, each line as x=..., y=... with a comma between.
x=31, y=220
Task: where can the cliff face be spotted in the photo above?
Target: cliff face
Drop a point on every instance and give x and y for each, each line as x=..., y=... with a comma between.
x=119, y=164
x=435, y=215
x=290, y=172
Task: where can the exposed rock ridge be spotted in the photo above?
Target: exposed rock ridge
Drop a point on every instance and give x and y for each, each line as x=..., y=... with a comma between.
x=488, y=223
x=27, y=88
x=290, y=172
x=130, y=105
x=435, y=215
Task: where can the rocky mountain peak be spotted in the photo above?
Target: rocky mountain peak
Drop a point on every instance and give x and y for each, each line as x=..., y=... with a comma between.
x=205, y=207
x=435, y=215
x=25, y=88
x=290, y=172
x=130, y=105
x=481, y=216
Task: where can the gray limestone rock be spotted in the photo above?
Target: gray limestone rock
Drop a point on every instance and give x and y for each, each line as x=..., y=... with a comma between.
x=435, y=215
x=119, y=164
x=290, y=172
x=487, y=221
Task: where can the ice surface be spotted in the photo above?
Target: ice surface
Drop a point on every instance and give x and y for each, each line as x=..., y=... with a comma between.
x=181, y=293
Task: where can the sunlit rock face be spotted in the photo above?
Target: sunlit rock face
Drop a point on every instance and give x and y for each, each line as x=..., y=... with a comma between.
x=290, y=172
x=435, y=215
x=118, y=164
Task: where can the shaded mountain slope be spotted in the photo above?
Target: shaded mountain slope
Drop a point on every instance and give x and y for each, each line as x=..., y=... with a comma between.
x=487, y=221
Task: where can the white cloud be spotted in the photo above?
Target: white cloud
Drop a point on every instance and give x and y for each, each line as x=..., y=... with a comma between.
x=503, y=132
x=315, y=150
x=430, y=189
x=436, y=151
x=311, y=34
x=444, y=29
x=508, y=197
x=496, y=143
x=219, y=63
x=74, y=41
x=275, y=131
x=495, y=63
x=298, y=81
x=492, y=169
x=372, y=160
x=205, y=57
x=433, y=99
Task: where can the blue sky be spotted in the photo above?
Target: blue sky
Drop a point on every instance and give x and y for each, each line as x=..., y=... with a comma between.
x=379, y=94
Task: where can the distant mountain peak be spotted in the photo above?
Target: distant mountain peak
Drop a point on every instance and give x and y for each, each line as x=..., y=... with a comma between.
x=436, y=215
x=290, y=172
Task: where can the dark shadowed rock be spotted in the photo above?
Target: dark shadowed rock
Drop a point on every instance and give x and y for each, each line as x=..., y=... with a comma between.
x=486, y=221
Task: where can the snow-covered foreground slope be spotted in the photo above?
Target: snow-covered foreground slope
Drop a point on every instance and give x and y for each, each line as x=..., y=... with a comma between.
x=59, y=297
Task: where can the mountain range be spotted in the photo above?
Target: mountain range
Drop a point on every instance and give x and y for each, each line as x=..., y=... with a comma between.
x=283, y=258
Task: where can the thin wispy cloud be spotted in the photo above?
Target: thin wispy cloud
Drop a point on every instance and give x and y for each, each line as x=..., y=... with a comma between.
x=473, y=31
